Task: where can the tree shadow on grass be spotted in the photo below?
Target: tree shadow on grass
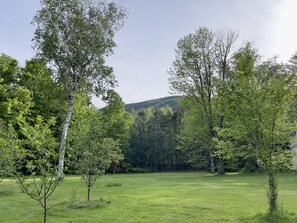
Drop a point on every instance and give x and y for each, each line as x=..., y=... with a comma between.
x=6, y=192
x=279, y=216
x=101, y=203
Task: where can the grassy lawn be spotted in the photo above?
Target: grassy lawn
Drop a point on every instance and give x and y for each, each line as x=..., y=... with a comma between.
x=156, y=198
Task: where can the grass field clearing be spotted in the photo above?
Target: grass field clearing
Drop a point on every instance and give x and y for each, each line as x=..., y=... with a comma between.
x=156, y=197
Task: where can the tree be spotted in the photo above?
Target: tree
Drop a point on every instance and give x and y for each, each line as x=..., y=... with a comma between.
x=292, y=67
x=293, y=63
x=48, y=97
x=75, y=36
x=202, y=62
x=8, y=145
x=38, y=155
x=259, y=101
x=15, y=100
x=96, y=153
x=96, y=159
x=2, y=153
x=138, y=141
x=9, y=69
x=193, y=137
x=116, y=121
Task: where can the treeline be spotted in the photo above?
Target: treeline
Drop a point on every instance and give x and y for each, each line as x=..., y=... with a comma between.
x=151, y=139
x=153, y=142
x=147, y=138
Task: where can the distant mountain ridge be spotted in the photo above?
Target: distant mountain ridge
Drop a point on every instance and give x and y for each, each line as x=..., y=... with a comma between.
x=171, y=101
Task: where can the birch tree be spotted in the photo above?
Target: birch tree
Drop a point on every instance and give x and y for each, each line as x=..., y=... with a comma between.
x=74, y=37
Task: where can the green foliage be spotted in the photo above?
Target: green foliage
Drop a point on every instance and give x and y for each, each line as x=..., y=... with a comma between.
x=93, y=151
x=112, y=122
x=193, y=137
x=9, y=149
x=96, y=157
x=15, y=100
x=39, y=156
x=48, y=97
x=78, y=45
x=42, y=147
x=201, y=66
x=75, y=36
x=116, y=121
x=152, y=144
x=9, y=69
x=259, y=101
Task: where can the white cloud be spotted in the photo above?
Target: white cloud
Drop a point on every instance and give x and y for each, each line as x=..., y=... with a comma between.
x=285, y=34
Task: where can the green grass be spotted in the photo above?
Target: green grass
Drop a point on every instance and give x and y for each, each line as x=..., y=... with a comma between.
x=157, y=198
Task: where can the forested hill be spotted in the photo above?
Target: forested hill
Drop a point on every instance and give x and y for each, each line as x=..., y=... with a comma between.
x=171, y=101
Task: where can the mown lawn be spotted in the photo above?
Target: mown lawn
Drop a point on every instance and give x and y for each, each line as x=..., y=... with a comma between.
x=157, y=197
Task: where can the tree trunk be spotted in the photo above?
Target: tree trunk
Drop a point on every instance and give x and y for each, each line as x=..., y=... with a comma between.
x=64, y=133
x=221, y=169
x=113, y=173
x=44, y=210
x=212, y=164
x=89, y=194
x=272, y=191
x=44, y=197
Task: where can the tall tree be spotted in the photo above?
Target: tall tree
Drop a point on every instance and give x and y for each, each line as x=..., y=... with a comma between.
x=75, y=36
x=202, y=59
x=259, y=101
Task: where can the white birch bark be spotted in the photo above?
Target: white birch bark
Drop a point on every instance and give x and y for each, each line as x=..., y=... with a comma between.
x=64, y=133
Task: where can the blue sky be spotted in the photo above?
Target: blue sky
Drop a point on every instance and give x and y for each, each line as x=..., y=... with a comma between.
x=147, y=41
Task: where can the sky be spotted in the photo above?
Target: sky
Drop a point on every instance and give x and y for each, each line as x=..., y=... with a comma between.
x=146, y=43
